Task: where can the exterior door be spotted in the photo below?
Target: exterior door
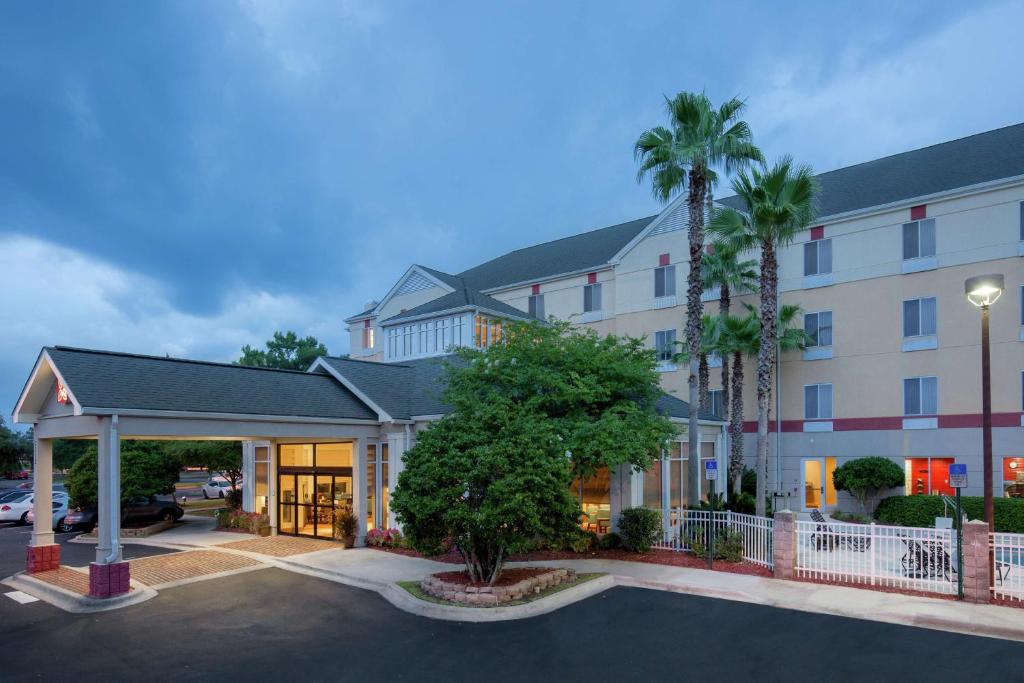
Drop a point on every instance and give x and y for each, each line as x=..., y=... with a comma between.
x=813, y=491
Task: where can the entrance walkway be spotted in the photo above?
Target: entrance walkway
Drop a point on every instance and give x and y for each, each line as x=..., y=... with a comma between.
x=161, y=570
x=280, y=546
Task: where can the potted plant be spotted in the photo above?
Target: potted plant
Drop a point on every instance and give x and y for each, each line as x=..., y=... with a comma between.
x=345, y=524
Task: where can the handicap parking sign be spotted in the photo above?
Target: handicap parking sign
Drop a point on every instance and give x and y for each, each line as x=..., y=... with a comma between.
x=958, y=475
x=711, y=469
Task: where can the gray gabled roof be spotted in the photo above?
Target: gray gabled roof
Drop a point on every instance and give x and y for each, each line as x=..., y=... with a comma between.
x=677, y=407
x=111, y=380
x=589, y=250
x=462, y=298
x=985, y=157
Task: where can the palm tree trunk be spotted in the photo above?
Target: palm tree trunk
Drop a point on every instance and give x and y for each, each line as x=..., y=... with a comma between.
x=736, y=424
x=724, y=304
x=694, y=311
x=704, y=377
x=766, y=363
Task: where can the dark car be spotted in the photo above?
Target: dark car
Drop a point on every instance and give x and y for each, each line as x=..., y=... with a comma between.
x=17, y=474
x=152, y=509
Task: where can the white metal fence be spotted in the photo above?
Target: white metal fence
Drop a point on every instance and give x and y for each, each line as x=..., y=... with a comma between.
x=684, y=525
x=1008, y=577
x=909, y=558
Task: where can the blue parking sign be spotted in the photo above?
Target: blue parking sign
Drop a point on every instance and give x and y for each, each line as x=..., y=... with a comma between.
x=711, y=469
x=958, y=475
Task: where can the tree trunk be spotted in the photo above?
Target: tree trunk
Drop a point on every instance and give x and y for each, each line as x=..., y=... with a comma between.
x=766, y=363
x=704, y=381
x=694, y=310
x=724, y=304
x=736, y=424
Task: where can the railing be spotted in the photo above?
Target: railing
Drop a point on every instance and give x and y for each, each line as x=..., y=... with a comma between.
x=756, y=532
x=1008, y=577
x=908, y=558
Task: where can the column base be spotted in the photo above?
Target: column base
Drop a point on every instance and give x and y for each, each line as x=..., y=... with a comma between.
x=42, y=558
x=108, y=580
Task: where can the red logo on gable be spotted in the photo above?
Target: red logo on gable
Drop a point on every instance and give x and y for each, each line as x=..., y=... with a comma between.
x=62, y=393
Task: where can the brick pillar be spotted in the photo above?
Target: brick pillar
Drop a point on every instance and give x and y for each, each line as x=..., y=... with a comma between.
x=108, y=580
x=42, y=558
x=976, y=569
x=784, y=545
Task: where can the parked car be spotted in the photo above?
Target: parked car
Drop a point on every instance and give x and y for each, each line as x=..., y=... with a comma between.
x=153, y=509
x=60, y=511
x=218, y=487
x=16, y=509
x=18, y=474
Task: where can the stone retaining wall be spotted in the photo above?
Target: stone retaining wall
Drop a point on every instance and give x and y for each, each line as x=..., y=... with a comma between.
x=487, y=595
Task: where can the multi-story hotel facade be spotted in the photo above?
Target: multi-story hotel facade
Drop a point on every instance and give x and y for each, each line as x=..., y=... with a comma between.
x=895, y=368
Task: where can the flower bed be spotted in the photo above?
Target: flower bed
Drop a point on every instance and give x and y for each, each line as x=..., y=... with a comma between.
x=232, y=519
x=513, y=584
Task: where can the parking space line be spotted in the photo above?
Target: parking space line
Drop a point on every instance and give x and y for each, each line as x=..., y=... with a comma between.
x=21, y=598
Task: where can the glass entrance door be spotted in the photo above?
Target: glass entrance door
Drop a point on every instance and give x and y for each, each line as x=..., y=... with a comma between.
x=315, y=485
x=814, y=484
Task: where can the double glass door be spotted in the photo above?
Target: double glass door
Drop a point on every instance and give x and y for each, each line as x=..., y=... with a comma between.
x=310, y=502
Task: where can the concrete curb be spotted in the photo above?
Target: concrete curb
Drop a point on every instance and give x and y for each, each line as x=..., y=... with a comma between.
x=69, y=601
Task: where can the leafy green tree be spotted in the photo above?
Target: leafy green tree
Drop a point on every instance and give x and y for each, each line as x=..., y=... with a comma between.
x=285, y=351
x=700, y=139
x=146, y=470
x=531, y=413
x=865, y=477
x=779, y=203
x=223, y=457
x=15, y=449
x=66, y=452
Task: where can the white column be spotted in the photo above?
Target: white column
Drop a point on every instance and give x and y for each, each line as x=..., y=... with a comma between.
x=359, y=484
x=397, y=446
x=272, y=488
x=248, y=476
x=42, y=492
x=108, y=549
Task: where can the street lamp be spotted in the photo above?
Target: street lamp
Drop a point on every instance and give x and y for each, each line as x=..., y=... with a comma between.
x=982, y=291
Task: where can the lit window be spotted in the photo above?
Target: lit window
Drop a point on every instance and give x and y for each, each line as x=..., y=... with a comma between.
x=920, y=396
x=664, y=344
x=818, y=402
x=919, y=239
x=919, y=317
x=368, y=338
x=592, y=298
x=818, y=326
x=664, y=281
x=818, y=257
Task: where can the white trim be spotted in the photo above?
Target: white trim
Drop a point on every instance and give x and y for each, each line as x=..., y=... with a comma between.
x=817, y=353
x=465, y=308
x=819, y=280
x=547, y=278
x=910, y=423
x=189, y=414
x=382, y=414
x=818, y=425
x=664, y=301
x=18, y=416
x=666, y=366
x=591, y=316
x=658, y=220
x=1020, y=248
x=919, y=264
x=925, y=342
x=391, y=292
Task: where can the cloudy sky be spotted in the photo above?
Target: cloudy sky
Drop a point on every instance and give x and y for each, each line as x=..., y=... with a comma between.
x=187, y=177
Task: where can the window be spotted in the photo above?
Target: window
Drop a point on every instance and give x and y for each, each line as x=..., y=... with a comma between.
x=1013, y=477
x=919, y=239
x=818, y=402
x=407, y=340
x=1022, y=221
x=592, y=298
x=664, y=344
x=536, y=306
x=818, y=257
x=487, y=332
x=920, y=396
x=927, y=476
x=818, y=327
x=664, y=281
x=368, y=336
x=716, y=399
x=919, y=317
x=393, y=343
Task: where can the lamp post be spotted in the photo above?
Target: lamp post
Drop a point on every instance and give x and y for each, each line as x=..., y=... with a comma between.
x=982, y=291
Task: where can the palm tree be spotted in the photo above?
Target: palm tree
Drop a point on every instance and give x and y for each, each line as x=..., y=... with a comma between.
x=779, y=203
x=721, y=268
x=700, y=139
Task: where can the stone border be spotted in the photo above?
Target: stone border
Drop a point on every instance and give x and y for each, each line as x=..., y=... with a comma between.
x=141, y=532
x=484, y=596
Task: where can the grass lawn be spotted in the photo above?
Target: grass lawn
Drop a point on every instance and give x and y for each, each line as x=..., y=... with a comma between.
x=413, y=588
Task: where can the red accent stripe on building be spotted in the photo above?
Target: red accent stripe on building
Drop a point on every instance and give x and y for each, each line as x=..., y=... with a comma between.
x=591, y=278
x=663, y=260
x=535, y=290
x=918, y=212
x=860, y=424
x=818, y=232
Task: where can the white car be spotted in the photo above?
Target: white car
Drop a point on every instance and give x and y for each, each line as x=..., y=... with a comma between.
x=60, y=511
x=218, y=487
x=17, y=508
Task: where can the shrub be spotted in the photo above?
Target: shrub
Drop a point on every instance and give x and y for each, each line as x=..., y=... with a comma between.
x=583, y=542
x=384, y=538
x=745, y=504
x=748, y=482
x=728, y=544
x=639, y=528
x=610, y=541
x=865, y=477
x=922, y=510
x=252, y=522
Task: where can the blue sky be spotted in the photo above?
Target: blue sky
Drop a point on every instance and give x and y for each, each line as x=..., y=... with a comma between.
x=187, y=177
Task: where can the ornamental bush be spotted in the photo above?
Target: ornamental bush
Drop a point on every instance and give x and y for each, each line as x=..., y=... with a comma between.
x=639, y=528
x=863, y=478
x=728, y=544
x=921, y=511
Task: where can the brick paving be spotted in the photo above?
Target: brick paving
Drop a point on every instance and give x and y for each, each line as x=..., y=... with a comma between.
x=281, y=546
x=66, y=578
x=160, y=569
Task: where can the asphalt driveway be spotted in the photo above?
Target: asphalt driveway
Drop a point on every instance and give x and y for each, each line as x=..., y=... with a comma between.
x=275, y=625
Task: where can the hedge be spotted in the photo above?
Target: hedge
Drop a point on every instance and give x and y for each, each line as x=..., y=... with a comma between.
x=922, y=510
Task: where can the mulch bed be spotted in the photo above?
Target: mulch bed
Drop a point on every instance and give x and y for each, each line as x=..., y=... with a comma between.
x=877, y=589
x=1006, y=602
x=508, y=577
x=666, y=557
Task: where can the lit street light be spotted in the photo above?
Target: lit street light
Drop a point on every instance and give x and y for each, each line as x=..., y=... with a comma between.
x=982, y=291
